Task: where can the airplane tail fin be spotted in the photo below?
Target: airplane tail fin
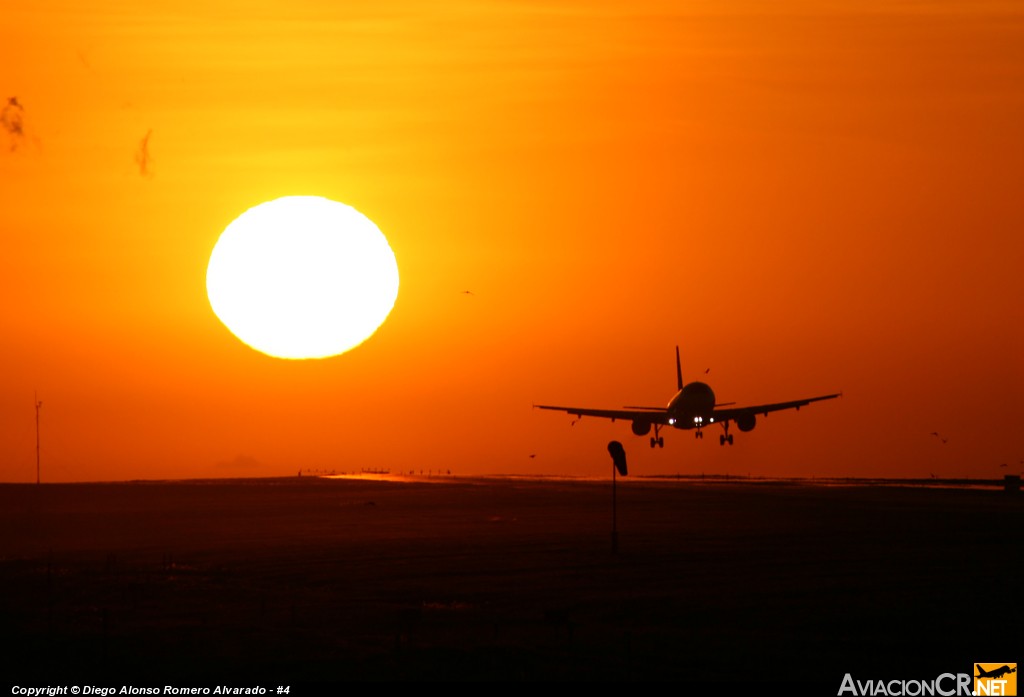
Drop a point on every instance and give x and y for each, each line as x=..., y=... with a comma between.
x=679, y=372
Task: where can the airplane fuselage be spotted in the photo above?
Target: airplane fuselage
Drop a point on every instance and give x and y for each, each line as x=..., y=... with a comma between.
x=692, y=407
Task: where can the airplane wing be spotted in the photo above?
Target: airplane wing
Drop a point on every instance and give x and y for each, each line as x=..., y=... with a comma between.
x=648, y=416
x=763, y=409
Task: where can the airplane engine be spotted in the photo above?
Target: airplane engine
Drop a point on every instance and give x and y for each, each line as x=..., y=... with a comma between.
x=746, y=422
x=641, y=428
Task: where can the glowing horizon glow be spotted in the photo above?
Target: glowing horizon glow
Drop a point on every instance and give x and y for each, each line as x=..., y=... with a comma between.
x=302, y=277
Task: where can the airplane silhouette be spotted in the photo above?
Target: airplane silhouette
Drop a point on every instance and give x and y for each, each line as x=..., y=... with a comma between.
x=693, y=407
x=994, y=673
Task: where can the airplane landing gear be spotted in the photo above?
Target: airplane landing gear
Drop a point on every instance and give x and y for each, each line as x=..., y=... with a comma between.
x=727, y=437
x=656, y=440
x=699, y=434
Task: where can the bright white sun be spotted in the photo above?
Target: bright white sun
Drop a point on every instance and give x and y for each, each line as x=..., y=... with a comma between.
x=302, y=277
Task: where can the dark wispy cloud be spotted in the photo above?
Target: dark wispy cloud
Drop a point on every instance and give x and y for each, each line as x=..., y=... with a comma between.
x=12, y=118
x=142, y=157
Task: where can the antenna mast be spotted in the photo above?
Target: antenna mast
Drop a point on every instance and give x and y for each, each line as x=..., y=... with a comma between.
x=39, y=405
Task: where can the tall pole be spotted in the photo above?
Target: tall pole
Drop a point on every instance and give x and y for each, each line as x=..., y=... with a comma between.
x=618, y=454
x=39, y=405
x=615, y=517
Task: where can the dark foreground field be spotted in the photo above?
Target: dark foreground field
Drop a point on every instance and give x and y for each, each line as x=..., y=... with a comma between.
x=303, y=580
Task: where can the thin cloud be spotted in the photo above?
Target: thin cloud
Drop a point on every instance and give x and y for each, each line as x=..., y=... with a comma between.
x=12, y=118
x=142, y=157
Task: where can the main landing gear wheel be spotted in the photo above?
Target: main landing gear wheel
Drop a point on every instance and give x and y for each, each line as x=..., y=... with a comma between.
x=657, y=440
x=722, y=440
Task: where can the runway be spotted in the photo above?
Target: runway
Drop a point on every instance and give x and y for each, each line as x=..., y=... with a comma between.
x=304, y=580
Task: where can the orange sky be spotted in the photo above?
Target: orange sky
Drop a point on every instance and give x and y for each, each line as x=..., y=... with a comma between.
x=806, y=196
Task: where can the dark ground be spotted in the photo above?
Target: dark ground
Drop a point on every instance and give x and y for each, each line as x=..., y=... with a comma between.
x=301, y=580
